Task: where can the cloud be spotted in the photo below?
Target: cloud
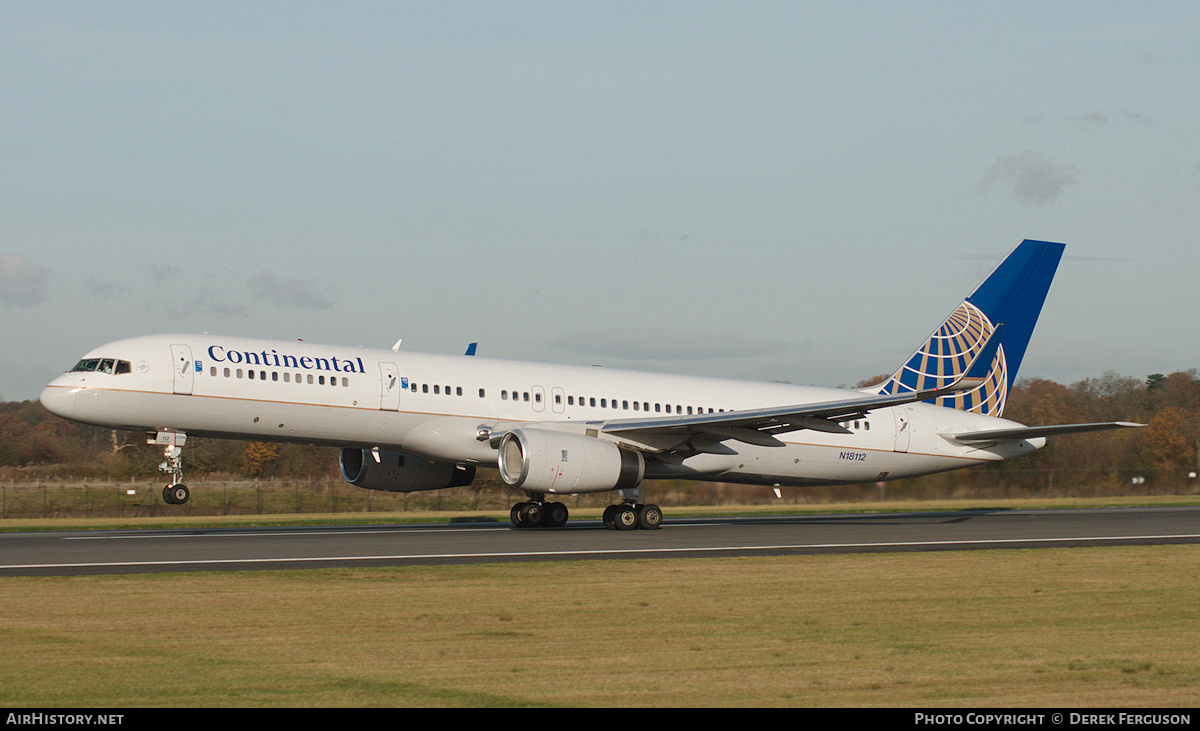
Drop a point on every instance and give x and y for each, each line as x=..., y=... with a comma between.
x=664, y=344
x=204, y=303
x=102, y=290
x=1097, y=118
x=21, y=283
x=266, y=287
x=163, y=272
x=1035, y=180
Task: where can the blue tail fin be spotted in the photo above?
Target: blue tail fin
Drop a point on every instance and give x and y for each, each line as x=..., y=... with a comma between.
x=1011, y=297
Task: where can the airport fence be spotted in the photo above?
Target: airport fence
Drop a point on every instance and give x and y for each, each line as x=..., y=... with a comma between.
x=66, y=497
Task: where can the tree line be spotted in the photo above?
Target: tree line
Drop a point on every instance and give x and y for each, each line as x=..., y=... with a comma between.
x=35, y=443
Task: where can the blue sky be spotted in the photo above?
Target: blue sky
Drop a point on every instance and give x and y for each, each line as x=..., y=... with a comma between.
x=775, y=191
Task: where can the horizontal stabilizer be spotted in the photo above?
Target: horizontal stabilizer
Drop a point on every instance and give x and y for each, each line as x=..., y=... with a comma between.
x=1030, y=432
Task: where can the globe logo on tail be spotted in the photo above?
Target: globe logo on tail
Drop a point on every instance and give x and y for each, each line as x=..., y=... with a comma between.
x=946, y=355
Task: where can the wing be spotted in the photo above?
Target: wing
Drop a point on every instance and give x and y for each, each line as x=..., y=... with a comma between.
x=759, y=426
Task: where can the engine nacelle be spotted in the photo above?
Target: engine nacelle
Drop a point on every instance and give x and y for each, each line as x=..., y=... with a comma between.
x=540, y=460
x=399, y=472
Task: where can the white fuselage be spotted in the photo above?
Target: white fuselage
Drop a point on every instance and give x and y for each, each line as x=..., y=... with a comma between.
x=435, y=406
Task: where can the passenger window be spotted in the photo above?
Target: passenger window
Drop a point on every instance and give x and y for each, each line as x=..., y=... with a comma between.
x=212, y=371
x=481, y=393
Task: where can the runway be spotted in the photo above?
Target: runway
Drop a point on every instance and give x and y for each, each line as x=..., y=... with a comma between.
x=242, y=549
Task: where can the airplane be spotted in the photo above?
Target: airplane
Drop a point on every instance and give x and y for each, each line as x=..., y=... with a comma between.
x=408, y=422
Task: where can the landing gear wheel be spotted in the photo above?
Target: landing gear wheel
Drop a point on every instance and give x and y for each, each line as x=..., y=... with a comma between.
x=625, y=517
x=649, y=517
x=530, y=515
x=555, y=515
x=608, y=517
x=176, y=494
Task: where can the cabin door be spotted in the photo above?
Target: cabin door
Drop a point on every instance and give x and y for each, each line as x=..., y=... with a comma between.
x=391, y=387
x=181, y=356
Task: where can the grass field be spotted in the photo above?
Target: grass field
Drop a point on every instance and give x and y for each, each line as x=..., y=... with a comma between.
x=1078, y=627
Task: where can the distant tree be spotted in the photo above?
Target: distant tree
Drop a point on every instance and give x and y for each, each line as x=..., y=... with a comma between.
x=873, y=380
x=258, y=456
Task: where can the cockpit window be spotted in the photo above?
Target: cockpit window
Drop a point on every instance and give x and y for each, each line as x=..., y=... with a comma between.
x=104, y=365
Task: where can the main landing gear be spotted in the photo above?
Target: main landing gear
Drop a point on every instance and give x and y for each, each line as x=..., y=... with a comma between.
x=627, y=516
x=537, y=513
x=175, y=493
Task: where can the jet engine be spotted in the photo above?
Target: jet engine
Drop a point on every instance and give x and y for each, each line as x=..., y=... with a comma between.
x=399, y=472
x=540, y=460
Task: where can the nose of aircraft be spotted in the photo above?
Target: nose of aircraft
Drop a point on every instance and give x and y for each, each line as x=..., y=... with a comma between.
x=59, y=396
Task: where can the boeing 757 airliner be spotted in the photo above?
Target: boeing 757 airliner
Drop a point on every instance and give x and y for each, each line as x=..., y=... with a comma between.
x=408, y=422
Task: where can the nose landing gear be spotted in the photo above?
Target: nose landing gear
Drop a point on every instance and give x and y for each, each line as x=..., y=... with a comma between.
x=175, y=493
